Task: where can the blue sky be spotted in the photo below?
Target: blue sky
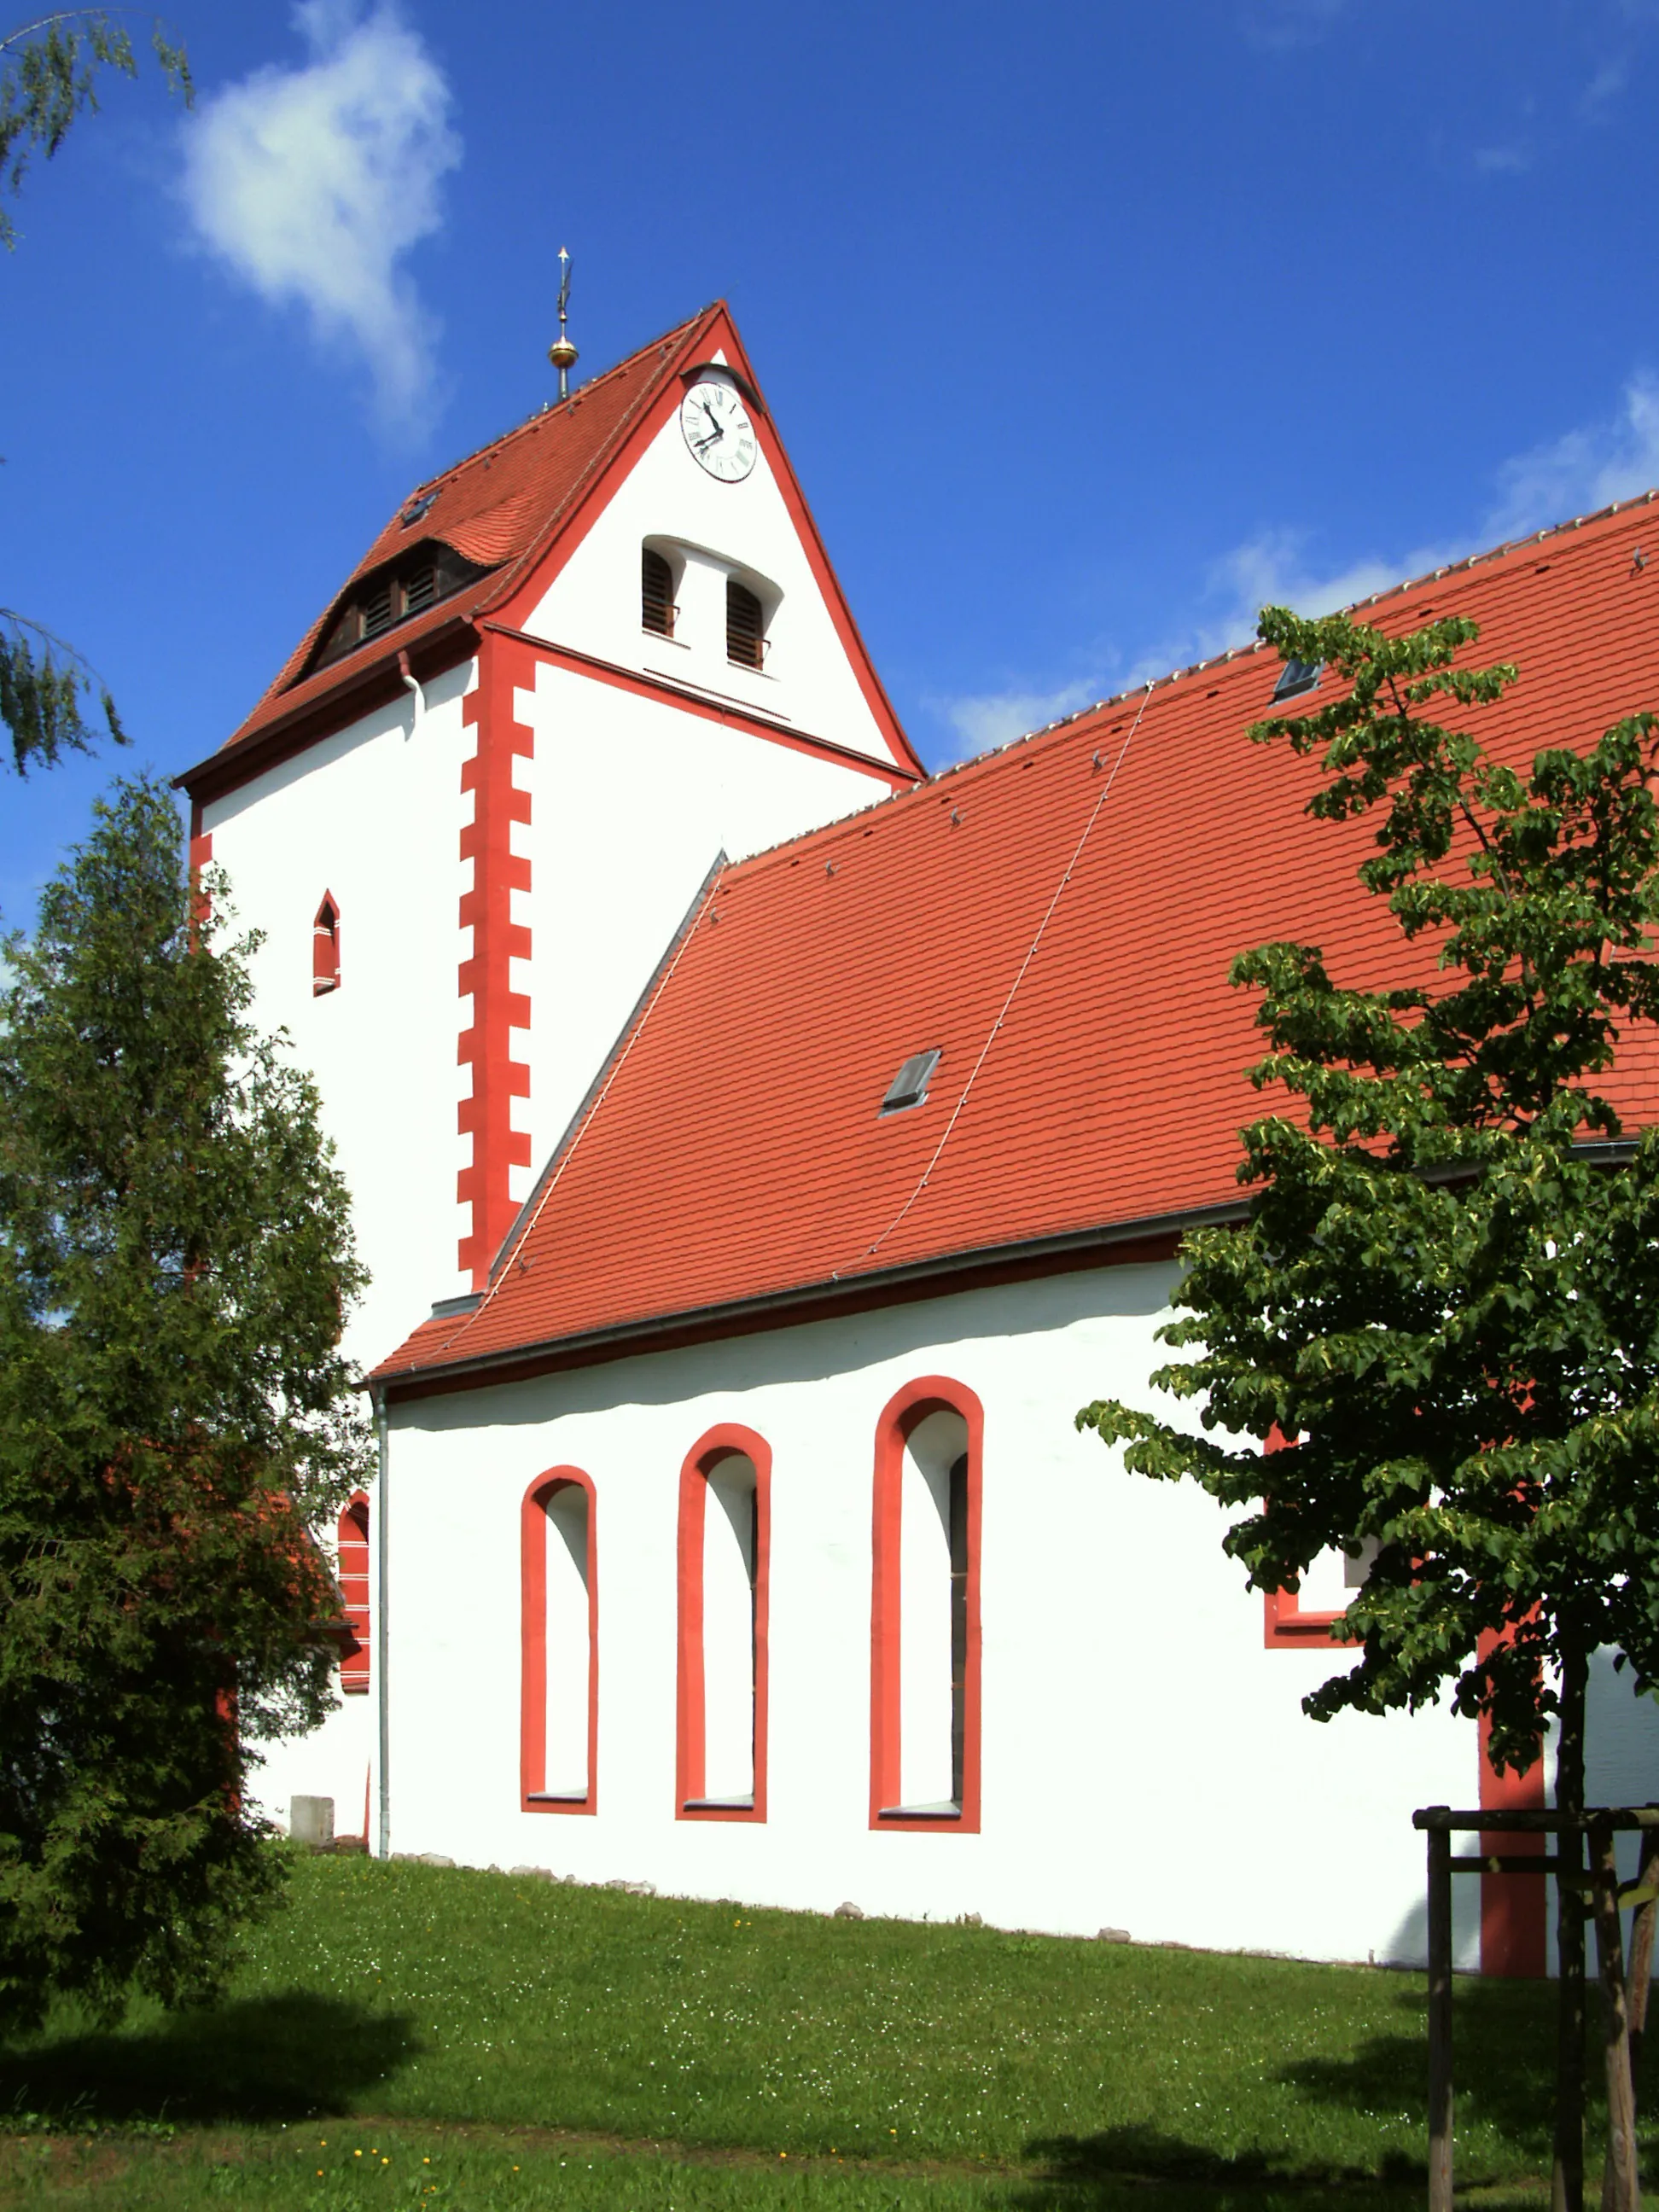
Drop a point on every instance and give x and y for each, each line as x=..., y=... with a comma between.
x=1088, y=327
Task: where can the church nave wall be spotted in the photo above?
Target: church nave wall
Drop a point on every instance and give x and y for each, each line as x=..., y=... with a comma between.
x=1122, y=1666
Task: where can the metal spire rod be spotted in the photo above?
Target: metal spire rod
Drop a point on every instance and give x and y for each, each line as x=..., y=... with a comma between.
x=561, y=353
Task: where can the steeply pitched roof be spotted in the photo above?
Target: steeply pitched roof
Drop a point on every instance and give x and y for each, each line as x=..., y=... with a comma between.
x=498, y=508
x=1057, y=920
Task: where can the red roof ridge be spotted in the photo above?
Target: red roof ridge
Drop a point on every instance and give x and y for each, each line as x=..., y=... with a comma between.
x=752, y=862
x=294, y=673
x=553, y=407
x=599, y=460
x=1510, y=545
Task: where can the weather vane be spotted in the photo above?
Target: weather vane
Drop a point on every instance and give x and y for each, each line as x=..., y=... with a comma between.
x=561, y=353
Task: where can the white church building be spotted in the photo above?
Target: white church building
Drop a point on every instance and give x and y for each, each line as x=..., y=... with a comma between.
x=761, y=1150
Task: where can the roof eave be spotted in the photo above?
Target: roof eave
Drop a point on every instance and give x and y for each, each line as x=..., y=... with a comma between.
x=1105, y=1244
x=356, y=695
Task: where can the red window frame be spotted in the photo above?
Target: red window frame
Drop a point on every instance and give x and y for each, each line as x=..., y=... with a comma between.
x=905, y=1411
x=690, y=1737
x=532, y=1644
x=325, y=948
x=1284, y=1625
x=351, y=1571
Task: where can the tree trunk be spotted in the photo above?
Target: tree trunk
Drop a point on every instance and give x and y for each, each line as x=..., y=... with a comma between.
x=1567, y=2176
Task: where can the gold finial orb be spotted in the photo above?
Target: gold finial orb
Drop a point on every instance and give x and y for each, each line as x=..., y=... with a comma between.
x=562, y=354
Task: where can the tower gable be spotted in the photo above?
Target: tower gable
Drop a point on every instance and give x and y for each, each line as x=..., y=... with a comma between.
x=795, y=657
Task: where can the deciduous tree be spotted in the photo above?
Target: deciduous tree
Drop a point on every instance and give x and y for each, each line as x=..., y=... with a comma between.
x=1445, y=1298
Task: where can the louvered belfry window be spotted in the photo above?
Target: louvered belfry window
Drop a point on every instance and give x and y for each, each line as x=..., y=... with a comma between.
x=422, y=576
x=656, y=594
x=744, y=643
x=377, y=610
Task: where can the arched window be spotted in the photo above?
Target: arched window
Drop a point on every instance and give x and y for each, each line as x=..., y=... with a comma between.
x=924, y=1619
x=351, y=1569
x=325, y=948
x=657, y=608
x=559, y=1691
x=725, y=1539
x=745, y=638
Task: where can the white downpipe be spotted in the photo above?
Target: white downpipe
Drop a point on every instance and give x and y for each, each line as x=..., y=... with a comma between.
x=411, y=683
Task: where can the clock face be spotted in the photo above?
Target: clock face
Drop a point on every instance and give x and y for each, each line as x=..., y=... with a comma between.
x=717, y=430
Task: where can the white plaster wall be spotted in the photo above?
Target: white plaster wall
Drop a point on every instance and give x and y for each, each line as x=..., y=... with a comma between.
x=743, y=530
x=373, y=815
x=631, y=800
x=1146, y=1763
x=336, y=1761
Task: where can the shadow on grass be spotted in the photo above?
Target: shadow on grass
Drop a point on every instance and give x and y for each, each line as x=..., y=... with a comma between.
x=1081, y=2170
x=262, y=2058
x=1504, y=2055
x=1503, y=2068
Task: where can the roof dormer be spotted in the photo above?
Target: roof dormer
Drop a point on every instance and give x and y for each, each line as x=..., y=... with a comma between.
x=380, y=600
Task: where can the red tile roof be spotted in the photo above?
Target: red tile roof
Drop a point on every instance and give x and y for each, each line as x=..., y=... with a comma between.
x=1057, y=918
x=500, y=508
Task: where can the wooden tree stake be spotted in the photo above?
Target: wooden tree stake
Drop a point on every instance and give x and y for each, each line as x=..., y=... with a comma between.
x=1440, y=2021
x=1620, y=2191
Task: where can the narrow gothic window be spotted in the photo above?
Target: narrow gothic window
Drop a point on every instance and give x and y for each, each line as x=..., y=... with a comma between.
x=325, y=948
x=925, y=1655
x=744, y=641
x=559, y=1694
x=657, y=608
x=723, y=1540
x=352, y=1571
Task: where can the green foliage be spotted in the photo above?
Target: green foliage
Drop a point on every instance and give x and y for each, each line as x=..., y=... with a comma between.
x=42, y=682
x=175, y=1258
x=1447, y=1290
x=51, y=77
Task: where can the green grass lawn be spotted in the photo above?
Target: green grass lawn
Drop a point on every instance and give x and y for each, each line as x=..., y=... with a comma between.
x=406, y=2035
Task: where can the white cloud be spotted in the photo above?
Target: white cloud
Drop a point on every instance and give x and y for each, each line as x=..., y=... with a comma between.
x=1284, y=23
x=314, y=182
x=1606, y=85
x=1272, y=570
x=1503, y=161
x=984, y=720
x=1586, y=469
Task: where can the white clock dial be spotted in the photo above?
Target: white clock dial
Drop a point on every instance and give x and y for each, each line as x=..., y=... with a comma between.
x=717, y=429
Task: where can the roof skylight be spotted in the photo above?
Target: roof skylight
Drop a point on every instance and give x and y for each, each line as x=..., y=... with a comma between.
x=909, y=1087
x=1298, y=676
x=416, y=508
